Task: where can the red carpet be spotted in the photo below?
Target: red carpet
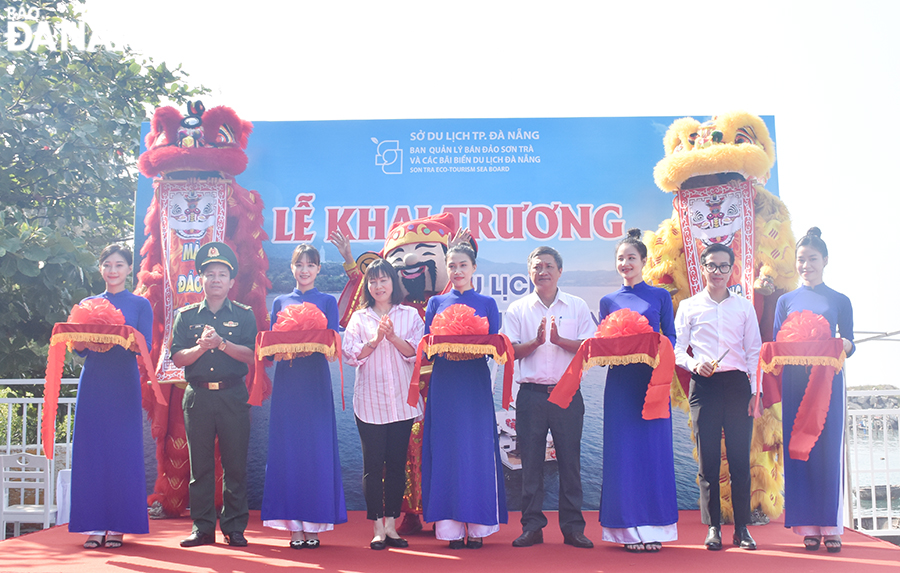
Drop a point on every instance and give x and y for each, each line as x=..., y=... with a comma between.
x=346, y=550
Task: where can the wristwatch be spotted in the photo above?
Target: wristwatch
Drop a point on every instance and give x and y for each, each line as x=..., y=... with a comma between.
x=223, y=345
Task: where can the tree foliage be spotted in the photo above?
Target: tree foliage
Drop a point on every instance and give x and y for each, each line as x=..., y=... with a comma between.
x=69, y=140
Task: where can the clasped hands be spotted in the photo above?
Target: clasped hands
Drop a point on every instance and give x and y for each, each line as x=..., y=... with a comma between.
x=209, y=339
x=542, y=329
x=385, y=331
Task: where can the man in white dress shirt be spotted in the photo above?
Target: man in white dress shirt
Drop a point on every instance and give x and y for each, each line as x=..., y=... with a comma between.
x=722, y=329
x=546, y=328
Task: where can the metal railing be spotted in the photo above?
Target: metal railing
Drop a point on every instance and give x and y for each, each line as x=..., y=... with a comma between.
x=20, y=429
x=873, y=456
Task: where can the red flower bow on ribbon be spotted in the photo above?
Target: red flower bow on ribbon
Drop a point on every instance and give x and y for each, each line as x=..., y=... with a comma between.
x=458, y=334
x=623, y=322
x=96, y=311
x=99, y=325
x=803, y=340
x=300, y=330
x=303, y=316
x=460, y=320
x=623, y=337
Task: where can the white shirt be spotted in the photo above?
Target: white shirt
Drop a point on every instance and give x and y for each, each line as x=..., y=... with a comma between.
x=383, y=377
x=710, y=328
x=548, y=362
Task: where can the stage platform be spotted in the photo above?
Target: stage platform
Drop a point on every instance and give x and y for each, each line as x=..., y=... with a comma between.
x=347, y=550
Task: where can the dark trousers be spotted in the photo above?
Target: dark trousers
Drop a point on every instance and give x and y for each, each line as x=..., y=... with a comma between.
x=384, y=466
x=226, y=414
x=720, y=403
x=534, y=416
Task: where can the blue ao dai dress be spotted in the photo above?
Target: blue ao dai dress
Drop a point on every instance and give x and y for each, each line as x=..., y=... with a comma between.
x=813, y=492
x=462, y=478
x=638, y=502
x=109, y=486
x=303, y=490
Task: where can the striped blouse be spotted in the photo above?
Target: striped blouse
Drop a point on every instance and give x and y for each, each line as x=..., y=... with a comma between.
x=382, y=377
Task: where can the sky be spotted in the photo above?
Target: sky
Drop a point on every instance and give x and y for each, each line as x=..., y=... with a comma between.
x=826, y=70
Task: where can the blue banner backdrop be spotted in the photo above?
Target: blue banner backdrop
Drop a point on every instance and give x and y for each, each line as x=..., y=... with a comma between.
x=576, y=184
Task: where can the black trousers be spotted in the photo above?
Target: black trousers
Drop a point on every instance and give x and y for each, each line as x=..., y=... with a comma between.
x=384, y=466
x=719, y=403
x=534, y=416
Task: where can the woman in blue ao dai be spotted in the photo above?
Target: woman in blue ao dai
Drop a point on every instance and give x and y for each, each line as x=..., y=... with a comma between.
x=304, y=492
x=638, y=506
x=813, y=489
x=462, y=479
x=109, y=487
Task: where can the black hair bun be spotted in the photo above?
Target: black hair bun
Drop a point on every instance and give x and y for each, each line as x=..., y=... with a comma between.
x=634, y=233
x=814, y=232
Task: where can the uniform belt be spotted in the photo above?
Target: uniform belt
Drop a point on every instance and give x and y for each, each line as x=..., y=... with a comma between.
x=218, y=385
x=542, y=388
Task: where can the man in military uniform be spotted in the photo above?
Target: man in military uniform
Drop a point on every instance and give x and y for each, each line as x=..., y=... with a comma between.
x=213, y=341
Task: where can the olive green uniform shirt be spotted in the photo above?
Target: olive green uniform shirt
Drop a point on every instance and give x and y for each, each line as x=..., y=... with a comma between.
x=234, y=322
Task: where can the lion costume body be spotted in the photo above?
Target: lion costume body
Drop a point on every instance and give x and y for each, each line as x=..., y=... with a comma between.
x=207, y=145
x=729, y=152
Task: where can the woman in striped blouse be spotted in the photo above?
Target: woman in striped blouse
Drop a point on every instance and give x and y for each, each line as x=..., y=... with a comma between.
x=381, y=341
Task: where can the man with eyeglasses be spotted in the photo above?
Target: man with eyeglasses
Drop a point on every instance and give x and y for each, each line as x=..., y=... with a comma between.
x=722, y=330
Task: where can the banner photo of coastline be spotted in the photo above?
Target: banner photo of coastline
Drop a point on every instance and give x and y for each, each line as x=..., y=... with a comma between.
x=575, y=184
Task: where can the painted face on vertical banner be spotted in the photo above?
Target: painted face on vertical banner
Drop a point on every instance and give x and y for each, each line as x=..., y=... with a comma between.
x=115, y=271
x=191, y=214
x=810, y=265
x=460, y=268
x=305, y=272
x=422, y=268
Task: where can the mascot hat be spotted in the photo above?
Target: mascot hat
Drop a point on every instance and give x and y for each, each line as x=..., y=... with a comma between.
x=432, y=229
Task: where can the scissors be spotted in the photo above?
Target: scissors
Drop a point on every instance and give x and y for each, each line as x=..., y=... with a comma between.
x=716, y=362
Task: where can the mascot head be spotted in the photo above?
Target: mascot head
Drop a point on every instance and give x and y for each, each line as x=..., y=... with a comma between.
x=205, y=142
x=733, y=146
x=418, y=249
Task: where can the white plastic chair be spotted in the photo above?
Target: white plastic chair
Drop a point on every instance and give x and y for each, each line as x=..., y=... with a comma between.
x=26, y=472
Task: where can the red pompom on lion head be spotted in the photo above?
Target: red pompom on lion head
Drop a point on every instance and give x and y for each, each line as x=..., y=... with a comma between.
x=203, y=140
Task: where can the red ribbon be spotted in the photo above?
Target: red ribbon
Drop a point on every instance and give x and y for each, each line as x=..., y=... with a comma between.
x=821, y=356
x=273, y=342
x=131, y=339
x=500, y=348
x=804, y=339
x=644, y=348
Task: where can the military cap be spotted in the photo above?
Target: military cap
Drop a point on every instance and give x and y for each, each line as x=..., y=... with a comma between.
x=216, y=253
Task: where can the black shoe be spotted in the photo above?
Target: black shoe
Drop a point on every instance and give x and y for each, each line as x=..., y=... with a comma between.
x=396, y=542
x=529, y=538
x=236, y=539
x=714, y=538
x=378, y=545
x=474, y=543
x=578, y=540
x=312, y=544
x=457, y=544
x=742, y=538
x=197, y=539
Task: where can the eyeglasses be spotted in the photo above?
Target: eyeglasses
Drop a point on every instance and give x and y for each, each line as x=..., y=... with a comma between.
x=724, y=268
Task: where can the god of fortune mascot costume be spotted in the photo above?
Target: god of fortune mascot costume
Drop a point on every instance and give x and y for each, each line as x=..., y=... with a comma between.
x=417, y=249
x=193, y=161
x=717, y=171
